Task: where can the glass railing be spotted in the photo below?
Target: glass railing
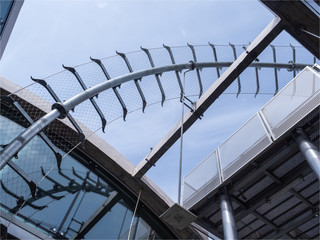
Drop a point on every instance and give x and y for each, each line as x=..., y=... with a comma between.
x=293, y=102
x=297, y=99
x=205, y=173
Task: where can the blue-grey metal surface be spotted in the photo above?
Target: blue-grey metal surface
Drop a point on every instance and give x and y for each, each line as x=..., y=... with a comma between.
x=309, y=151
x=229, y=225
x=71, y=103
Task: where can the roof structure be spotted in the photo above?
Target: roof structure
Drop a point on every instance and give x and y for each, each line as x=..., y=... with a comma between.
x=63, y=113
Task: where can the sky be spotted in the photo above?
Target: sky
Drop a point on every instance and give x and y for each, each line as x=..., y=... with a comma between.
x=50, y=33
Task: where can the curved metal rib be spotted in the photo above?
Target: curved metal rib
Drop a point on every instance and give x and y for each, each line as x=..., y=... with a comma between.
x=235, y=58
x=163, y=96
x=257, y=79
x=84, y=87
x=275, y=69
x=115, y=90
x=174, y=62
x=215, y=57
x=197, y=69
x=144, y=102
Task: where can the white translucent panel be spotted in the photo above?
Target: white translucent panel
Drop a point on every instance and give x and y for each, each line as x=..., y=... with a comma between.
x=296, y=100
x=243, y=140
x=200, y=175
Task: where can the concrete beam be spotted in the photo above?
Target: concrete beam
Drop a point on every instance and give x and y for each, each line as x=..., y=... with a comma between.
x=299, y=21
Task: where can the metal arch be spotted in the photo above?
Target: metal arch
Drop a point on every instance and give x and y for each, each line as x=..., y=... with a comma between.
x=60, y=110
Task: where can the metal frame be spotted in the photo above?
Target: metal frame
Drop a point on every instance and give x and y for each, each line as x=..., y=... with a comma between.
x=309, y=150
x=9, y=24
x=217, y=88
x=60, y=110
x=98, y=214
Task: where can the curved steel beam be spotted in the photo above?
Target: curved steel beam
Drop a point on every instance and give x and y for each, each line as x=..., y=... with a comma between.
x=61, y=110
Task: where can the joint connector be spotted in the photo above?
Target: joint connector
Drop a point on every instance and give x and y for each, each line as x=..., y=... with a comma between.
x=60, y=107
x=192, y=67
x=292, y=67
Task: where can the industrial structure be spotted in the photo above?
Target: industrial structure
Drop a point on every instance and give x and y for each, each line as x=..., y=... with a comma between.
x=59, y=179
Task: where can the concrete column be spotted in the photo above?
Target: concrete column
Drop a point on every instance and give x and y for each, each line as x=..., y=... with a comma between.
x=309, y=150
x=229, y=226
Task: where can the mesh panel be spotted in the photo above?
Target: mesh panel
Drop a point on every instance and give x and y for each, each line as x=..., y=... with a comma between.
x=38, y=101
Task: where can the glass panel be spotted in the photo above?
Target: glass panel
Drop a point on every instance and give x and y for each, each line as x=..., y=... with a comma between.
x=143, y=230
x=55, y=192
x=5, y=6
x=200, y=175
x=296, y=94
x=242, y=141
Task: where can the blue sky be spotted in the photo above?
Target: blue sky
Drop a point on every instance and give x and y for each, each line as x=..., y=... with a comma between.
x=50, y=33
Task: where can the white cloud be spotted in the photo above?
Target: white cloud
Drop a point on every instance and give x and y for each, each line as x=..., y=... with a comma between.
x=102, y=4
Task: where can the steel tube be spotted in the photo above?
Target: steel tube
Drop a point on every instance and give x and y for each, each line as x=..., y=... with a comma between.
x=19, y=142
x=89, y=93
x=309, y=150
x=229, y=226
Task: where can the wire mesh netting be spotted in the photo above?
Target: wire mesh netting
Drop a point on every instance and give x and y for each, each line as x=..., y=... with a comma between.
x=36, y=100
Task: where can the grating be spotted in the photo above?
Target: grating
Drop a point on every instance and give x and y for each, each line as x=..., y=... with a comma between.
x=216, y=217
x=258, y=187
x=290, y=213
x=178, y=217
x=275, y=212
x=288, y=165
x=268, y=206
x=306, y=180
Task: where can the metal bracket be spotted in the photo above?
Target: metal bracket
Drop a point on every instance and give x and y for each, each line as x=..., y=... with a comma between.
x=144, y=102
x=156, y=75
x=174, y=62
x=84, y=87
x=115, y=90
x=293, y=61
x=59, y=106
x=197, y=69
x=235, y=58
x=192, y=108
x=275, y=69
x=215, y=58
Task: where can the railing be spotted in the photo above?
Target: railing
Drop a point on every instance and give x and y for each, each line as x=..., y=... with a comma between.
x=296, y=100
